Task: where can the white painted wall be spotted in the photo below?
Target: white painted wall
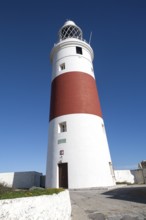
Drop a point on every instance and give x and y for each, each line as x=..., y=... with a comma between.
x=124, y=176
x=21, y=179
x=86, y=151
x=7, y=178
x=137, y=176
x=53, y=207
x=65, y=52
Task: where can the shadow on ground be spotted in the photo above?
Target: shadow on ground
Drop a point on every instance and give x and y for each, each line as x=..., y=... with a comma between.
x=133, y=194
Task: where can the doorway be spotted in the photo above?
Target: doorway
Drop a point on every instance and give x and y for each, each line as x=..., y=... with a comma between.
x=63, y=175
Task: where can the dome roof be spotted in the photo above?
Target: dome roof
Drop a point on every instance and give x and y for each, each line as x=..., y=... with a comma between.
x=69, y=22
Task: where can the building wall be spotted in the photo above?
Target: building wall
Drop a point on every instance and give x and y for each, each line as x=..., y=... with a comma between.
x=21, y=179
x=7, y=178
x=65, y=52
x=42, y=181
x=72, y=93
x=85, y=150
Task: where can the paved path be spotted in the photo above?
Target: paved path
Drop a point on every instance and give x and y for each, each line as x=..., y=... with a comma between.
x=122, y=203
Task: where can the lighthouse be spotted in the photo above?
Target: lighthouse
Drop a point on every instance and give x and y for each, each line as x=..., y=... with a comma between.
x=78, y=152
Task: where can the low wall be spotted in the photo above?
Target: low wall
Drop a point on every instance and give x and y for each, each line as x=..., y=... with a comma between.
x=124, y=176
x=21, y=179
x=52, y=207
x=137, y=176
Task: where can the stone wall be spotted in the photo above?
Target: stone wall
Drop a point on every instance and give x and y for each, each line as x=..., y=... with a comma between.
x=138, y=176
x=144, y=174
x=53, y=207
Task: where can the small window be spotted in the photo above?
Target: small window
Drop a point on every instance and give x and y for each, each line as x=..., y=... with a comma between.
x=103, y=128
x=62, y=127
x=111, y=169
x=62, y=66
x=79, y=50
x=61, y=152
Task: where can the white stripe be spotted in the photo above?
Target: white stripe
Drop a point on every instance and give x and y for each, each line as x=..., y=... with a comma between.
x=86, y=151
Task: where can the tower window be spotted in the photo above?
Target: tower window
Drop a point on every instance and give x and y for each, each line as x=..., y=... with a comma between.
x=103, y=128
x=62, y=127
x=79, y=50
x=62, y=66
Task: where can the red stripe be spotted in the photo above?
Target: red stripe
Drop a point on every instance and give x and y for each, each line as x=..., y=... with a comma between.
x=74, y=92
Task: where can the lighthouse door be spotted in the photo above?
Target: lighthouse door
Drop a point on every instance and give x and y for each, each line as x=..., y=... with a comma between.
x=63, y=175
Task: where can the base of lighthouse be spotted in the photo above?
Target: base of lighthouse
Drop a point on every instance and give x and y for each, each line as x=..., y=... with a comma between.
x=78, y=153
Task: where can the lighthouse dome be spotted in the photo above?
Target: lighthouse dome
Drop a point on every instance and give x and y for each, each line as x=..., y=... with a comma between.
x=70, y=30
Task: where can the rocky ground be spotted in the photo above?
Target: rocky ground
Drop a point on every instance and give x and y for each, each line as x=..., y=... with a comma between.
x=121, y=203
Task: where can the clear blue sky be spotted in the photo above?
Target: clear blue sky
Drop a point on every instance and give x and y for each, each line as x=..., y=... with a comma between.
x=28, y=31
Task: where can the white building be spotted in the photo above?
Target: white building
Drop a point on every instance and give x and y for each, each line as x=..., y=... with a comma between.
x=78, y=152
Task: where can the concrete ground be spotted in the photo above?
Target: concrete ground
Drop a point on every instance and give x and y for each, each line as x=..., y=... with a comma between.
x=120, y=203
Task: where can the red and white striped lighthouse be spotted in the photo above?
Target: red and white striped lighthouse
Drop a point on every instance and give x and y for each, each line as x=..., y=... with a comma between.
x=78, y=152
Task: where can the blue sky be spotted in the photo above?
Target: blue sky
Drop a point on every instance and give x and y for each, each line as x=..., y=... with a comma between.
x=28, y=31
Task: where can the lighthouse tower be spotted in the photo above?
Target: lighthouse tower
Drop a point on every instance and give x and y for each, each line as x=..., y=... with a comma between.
x=78, y=152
